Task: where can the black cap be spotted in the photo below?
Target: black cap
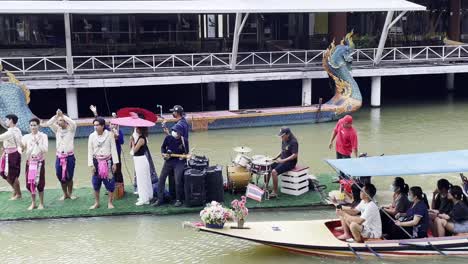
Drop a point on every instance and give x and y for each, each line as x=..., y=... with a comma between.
x=283, y=131
x=177, y=108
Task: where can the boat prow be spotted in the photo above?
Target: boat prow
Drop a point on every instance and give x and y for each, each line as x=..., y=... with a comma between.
x=317, y=237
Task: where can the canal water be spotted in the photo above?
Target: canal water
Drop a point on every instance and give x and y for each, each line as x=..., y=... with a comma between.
x=398, y=127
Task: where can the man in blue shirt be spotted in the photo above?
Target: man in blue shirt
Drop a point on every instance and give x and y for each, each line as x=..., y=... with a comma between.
x=181, y=124
x=174, y=144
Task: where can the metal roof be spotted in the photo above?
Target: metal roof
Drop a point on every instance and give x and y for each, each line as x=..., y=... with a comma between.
x=205, y=6
x=408, y=164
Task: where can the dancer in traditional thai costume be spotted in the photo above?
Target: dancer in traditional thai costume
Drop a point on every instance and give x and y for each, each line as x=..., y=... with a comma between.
x=10, y=162
x=35, y=146
x=119, y=141
x=64, y=129
x=102, y=158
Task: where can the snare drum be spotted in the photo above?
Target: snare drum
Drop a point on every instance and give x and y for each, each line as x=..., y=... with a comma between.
x=243, y=160
x=262, y=165
x=238, y=177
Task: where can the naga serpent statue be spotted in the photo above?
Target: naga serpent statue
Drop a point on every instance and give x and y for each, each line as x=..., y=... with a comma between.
x=14, y=99
x=337, y=63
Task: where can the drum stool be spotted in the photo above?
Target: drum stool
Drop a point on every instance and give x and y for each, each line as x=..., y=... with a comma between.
x=296, y=181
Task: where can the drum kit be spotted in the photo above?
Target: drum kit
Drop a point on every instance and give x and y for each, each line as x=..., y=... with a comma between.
x=243, y=167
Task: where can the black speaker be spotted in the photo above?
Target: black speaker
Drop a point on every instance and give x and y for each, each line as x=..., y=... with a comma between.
x=214, y=184
x=198, y=162
x=194, y=187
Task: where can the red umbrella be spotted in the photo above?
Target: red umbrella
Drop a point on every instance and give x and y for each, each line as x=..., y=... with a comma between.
x=147, y=114
x=132, y=121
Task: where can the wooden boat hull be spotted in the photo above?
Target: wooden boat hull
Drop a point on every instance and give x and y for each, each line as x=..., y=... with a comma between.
x=314, y=238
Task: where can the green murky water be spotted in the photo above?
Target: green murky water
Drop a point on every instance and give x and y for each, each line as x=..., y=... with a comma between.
x=393, y=129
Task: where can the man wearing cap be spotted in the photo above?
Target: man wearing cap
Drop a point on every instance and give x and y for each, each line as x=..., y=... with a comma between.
x=181, y=124
x=346, y=138
x=286, y=159
x=173, y=166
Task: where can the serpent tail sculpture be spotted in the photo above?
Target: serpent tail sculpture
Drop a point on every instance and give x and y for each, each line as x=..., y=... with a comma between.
x=337, y=62
x=14, y=99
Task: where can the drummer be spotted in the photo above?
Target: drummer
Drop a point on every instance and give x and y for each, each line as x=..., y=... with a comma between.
x=286, y=159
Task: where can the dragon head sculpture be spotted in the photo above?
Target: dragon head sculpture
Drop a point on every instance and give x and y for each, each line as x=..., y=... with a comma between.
x=337, y=62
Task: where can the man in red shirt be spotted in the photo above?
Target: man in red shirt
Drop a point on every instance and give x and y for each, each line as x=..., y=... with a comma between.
x=346, y=138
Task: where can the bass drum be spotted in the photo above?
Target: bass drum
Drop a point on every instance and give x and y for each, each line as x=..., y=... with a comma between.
x=238, y=177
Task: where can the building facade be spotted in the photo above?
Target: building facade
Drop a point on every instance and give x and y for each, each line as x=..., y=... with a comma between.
x=44, y=35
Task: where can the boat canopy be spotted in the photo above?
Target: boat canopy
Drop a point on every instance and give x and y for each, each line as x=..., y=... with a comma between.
x=205, y=6
x=408, y=164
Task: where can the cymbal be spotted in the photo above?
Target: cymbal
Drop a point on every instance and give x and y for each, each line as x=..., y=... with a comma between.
x=242, y=149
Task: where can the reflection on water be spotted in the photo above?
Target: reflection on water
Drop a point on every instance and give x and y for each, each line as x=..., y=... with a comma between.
x=393, y=129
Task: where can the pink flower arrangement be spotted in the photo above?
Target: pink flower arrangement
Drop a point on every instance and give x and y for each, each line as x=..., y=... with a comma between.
x=215, y=213
x=239, y=208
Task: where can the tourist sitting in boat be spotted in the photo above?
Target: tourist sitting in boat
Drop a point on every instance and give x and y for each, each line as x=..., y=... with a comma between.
x=400, y=204
x=415, y=222
x=441, y=204
x=457, y=220
x=368, y=224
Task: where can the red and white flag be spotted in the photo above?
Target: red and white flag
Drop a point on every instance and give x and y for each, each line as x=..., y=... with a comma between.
x=254, y=192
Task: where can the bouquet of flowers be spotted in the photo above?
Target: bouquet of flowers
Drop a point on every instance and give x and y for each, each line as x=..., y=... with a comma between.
x=215, y=214
x=240, y=210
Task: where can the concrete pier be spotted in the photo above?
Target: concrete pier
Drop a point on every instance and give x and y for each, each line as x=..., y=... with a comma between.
x=376, y=87
x=306, y=92
x=233, y=96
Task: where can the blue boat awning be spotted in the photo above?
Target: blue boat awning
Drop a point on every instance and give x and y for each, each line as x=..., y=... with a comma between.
x=408, y=164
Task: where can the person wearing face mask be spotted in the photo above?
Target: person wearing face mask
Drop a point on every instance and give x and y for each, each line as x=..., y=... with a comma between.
x=64, y=129
x=173, y=167
x=441, y=204
x=400, y=203
x=35, y=146
x=457, y=220
x=102, y=159
x=416, y=219
x=181, y=123
x=10, y=161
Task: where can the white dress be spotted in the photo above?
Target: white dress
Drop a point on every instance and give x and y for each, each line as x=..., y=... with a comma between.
x=143, y=177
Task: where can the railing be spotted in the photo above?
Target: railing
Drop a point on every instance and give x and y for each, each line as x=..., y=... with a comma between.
x=213, y=61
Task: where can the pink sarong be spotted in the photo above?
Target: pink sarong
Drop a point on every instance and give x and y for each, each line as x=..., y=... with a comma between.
x=103, y=166
x=4, y=160
x=33, y=174
x=63, y=163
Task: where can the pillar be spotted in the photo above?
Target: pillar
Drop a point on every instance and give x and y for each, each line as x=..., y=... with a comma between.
x=337, y=26
x=233, y=96
x=306, y=92
x=211, y=87
x=450, y=82
x=375, y=91
x=72, y=102
x=68, y=45
x=455, y=20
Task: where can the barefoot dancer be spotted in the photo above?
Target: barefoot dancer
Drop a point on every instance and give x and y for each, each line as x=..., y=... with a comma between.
x=64, y=129
x=102, y=158
x=35, y=146
x=10, y=163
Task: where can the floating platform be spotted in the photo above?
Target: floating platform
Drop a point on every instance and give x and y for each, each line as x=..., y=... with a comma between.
x=17, y=210
x=202, y=121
